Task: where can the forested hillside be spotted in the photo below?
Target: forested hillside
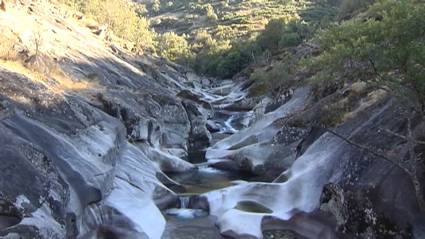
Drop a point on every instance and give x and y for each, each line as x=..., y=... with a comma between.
x=216, y=38
x=222, y=38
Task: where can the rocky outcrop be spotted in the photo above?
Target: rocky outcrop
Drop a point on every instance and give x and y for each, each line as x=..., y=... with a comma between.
x=85, y=143
x=67, y=164
x=373, y=197
x=200, y=137
x=264, y=146
x=86, y=138
x=356, y=213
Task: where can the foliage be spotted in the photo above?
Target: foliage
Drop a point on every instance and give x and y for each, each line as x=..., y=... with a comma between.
x=123, y=18
x=210, y=13
x=270, y=37
x=387, y=53
x=221, y=36
x=274, y=80
x=294, y=33
x=172, y=46
x=280, y=33
x=349, y=8
x=239, y=56
x=226, y=27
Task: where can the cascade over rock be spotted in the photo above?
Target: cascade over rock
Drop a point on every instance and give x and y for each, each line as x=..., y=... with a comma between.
x=325, y=159
x=259, y=148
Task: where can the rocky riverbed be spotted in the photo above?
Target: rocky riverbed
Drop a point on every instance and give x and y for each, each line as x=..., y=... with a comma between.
x=124, y=146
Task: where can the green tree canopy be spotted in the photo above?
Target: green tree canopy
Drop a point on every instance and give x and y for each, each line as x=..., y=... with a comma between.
x=270, y=37
x=172, y=46
x=387, y=53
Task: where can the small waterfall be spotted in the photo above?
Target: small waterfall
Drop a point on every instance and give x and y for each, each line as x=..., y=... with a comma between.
x=228, y=124
x=184, y=202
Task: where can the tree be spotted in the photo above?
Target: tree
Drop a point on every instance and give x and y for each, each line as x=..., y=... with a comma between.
x=173, y=47
x=388, y=53
x=123, y=19
x=270, y=37
x=294, y=33
x=351, y=7
x=210, y=13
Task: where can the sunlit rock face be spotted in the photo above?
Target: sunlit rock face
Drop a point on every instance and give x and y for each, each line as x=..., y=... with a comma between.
x=69, y=169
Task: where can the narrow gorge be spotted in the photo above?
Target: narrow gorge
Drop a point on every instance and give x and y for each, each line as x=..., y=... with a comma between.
x=113, y=145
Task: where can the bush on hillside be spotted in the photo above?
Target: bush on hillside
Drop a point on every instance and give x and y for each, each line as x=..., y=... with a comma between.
x=122, y=18
x=173, y=47
x=388, y=53
x=349, y=8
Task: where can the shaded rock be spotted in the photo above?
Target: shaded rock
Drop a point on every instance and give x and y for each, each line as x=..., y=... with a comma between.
x=243, y=104
x=259, y=148
x=380, y=196
x=199, y=135
x=212, y=126
x=68, y=158
x=149, y=116
x=43, y=204
x=40, y=63
x=355, y=213
x=205, y=81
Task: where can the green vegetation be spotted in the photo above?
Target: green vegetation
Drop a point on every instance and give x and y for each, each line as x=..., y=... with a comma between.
x=372, y=47
x=173, y=47
x=224, y=37
x=387, y=51
x=123, y=19
x=350, y=8
x=217, y=38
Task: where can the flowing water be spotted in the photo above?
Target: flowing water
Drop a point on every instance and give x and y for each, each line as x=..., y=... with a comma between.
x=189, y=223
x=186, y=223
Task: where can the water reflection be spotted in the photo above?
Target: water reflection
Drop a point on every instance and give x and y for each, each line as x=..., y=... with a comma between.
x=207, y=179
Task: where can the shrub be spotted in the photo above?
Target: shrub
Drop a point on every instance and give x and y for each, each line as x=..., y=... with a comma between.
x=173, y=47
x=388, y=52
x=122, y=18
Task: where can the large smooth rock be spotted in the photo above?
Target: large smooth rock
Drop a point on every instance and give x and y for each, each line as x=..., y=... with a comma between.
x=67, y=169
x=390, y=194
x=259, y=148
x=32, y=202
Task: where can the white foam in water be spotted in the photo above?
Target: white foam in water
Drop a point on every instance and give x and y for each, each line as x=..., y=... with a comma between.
x=211, y=170
x=185, y=213
x=228, y=124
x=316, y=167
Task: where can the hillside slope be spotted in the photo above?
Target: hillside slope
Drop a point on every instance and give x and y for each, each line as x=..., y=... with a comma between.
x=70, y=104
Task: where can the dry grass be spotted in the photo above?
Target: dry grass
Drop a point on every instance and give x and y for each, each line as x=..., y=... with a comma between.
x=371, y=99
x=57, y=80
x=359, y=99
x=7, y=43
x=56, y=35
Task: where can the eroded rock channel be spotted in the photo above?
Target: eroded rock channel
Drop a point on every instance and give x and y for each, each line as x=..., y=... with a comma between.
x=128, y=147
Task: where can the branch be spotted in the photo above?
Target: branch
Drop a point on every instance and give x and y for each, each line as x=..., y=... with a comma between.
x=374, y=69
x=403, y=137
x=369, y=150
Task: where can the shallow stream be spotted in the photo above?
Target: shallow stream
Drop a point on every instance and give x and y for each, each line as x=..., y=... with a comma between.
x=186, y=223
